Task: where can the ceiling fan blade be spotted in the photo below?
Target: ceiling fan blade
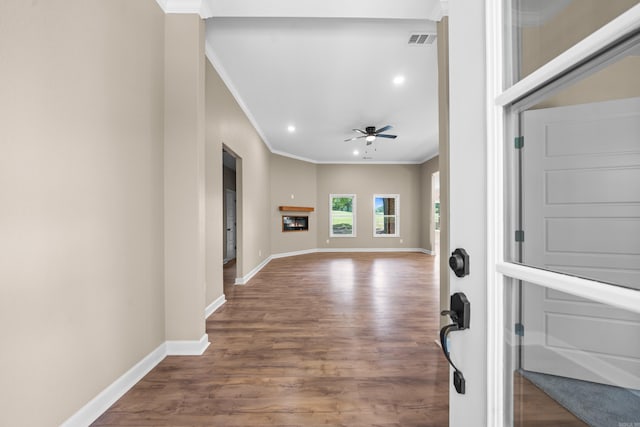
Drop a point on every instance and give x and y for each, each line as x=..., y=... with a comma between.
x=382, y=129
x=384, y=135
x=360, y=130
x=355, y=137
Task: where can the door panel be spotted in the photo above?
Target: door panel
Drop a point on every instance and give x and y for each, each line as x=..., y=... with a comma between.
x=231, y=224
x=581, y=216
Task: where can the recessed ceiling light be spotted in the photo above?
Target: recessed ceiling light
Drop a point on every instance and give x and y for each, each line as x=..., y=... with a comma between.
x=291, y=128
x=356, y=152
x=398, y=80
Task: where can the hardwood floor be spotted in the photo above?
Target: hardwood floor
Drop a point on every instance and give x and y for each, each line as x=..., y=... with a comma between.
x=534, y=408
x=319, y=339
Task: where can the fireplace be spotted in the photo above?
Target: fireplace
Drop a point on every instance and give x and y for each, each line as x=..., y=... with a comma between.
x=295, y=223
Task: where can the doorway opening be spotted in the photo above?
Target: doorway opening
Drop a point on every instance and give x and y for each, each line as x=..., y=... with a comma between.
x=435, y=213
x=229, y=218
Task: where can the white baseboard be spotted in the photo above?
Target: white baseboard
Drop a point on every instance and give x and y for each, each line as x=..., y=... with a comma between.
x=107, y=397
x=294, y=253
x=216, y=304
x=244, y=279
x=187, y=348
x=372, y=250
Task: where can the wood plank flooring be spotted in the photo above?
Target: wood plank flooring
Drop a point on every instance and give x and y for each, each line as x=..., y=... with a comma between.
x=319, y=339
x=534, y=408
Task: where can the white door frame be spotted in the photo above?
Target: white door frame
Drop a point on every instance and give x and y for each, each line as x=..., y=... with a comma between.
x=497, y=268
x=486, y=393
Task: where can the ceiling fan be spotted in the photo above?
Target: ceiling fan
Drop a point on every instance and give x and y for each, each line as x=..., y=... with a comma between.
x=370, y=134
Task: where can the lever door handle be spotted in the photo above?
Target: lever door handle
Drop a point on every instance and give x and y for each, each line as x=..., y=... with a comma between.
x=459, y=313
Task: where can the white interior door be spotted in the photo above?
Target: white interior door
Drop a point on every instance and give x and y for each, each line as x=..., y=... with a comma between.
x=581, y=202
x=230, y=214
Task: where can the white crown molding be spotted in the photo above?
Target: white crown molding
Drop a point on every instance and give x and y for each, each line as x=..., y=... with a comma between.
x=198, y=7
x=187, y=348
x=439, y=11
x=216, y=304
x=215, y=62
x=107, y=397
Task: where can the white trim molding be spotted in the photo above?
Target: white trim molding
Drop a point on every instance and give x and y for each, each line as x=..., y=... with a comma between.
x=224, y=76
x=198, y=7
x=294, y=253
x=615, y=296
x=216, y=304
x=187, y=348
x=425, y=251
x=107, y=397
x=495, y=367
x=244, y=279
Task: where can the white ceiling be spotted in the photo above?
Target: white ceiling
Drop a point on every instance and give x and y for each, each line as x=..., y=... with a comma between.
x=327, y=70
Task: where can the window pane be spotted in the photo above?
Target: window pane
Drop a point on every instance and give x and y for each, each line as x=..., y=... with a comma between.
x=342, y=215
x=543, y=29
x=385, y=215
x=579, y=170
x=385, y=224
x=570, y=360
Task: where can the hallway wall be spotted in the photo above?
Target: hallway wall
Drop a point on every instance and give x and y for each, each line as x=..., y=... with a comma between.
x=81, y=196
x=227, y=124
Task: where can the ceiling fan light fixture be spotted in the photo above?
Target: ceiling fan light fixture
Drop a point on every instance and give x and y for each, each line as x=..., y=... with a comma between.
x=291, y=128
x=370, y=138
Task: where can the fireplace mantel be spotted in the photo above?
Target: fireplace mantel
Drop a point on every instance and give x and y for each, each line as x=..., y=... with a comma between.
x=296, y=209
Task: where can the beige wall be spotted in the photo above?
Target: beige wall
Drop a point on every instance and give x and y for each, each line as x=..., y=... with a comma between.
x=293, y=183
x=365, y=181
x=427, y=169
x=228, y=125
x=81, y=172
x=214, y=192
x=184, y=177
x=542, y=43
x=443, y=160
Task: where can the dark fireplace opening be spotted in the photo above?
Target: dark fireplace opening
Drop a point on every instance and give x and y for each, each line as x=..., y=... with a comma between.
x=295, y=223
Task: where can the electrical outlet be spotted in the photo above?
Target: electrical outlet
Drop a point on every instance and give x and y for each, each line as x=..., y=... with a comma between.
x=401, y=240
x=327, y=241
x=259, y=252
x=293, y=197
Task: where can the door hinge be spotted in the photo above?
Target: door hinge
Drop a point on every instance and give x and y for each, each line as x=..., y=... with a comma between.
x=519, y=329
x=519, y=235
x=518, y=142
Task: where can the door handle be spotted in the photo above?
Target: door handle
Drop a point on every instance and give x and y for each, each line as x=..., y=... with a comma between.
x=460, y=314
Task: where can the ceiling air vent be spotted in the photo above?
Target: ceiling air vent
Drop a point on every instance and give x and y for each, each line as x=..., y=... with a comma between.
x=416, y=39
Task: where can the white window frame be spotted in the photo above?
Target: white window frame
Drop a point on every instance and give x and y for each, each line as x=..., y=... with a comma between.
x=497, y=268
x=353, y=226
x=396, y=215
